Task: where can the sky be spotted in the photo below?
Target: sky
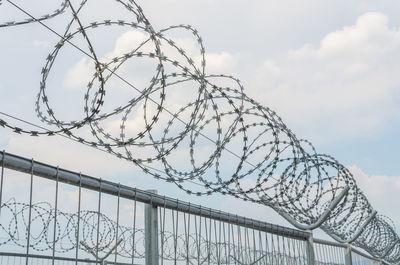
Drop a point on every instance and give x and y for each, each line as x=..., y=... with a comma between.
x=328, y=68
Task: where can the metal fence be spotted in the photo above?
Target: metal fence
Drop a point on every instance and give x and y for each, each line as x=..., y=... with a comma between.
x=50, y=215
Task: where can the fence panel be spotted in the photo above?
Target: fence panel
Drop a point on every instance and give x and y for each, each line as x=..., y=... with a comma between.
x=362, y=259
x=329, y=254
x=192, y=239
x=54, y=216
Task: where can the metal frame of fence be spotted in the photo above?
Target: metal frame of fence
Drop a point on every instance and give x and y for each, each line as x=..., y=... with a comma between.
x=225, y=238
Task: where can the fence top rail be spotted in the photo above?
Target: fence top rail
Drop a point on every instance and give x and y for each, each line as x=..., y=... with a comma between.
x=329, y=243
x=45, y=257
x=29, y=166
x=368, y=256
x=342, y=245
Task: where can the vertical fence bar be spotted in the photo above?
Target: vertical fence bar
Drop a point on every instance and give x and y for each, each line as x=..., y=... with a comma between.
x=98, y=224
x=55, y=220
x=246, y=251
x=116, y=234
x=198, y=237
x=226, y=244
x=175, y=232
x=134, y=229
x=187, y=231
x=188, y=238
x=29, y=216
x=310, y=250
x=233, y=243
x=151, y=233
x=347, y=256
x=208, y=241
x=79, y=218
x=162, y=227
x=1, y=181
x=1, y=188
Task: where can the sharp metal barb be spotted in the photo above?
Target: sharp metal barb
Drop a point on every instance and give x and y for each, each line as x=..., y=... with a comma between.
x=216, y=118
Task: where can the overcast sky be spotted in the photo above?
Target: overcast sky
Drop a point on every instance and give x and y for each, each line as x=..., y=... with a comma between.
x=330, y=69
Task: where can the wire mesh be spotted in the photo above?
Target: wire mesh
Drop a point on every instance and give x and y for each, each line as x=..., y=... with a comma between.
x=289, y=175
x=192, y=239
x=329, y=255
x=85, y=224
x=358, y=259
x=48, y=222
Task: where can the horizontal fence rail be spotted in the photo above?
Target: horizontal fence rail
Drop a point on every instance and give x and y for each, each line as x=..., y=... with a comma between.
x=69, y=177
x=50, y=215
x=216, y=125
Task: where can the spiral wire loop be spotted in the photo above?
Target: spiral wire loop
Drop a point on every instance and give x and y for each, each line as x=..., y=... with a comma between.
x=176, y=246
x=244, y=139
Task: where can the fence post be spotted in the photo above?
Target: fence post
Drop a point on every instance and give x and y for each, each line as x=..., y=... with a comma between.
x=151, y=233
x=347, y=256
x=310, y=250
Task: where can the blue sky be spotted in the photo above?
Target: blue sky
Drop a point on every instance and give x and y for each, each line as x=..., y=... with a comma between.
x=329, y=69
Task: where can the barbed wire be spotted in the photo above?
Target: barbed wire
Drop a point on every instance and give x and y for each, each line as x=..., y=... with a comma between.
x=15, y=224
x=214, y=126
x=175, y=246
x=56, y=12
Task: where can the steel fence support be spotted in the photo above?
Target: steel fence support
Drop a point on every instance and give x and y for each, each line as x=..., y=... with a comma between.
x=86, y=182
x=322, y=218
x=28, y=244
x=310, y=250
x=358, y=233
x=347, y=255
x=205, y=216
x=151, y=232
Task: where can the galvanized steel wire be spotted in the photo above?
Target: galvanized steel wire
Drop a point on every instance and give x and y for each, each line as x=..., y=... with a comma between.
x=288, y=174
x=212, y=241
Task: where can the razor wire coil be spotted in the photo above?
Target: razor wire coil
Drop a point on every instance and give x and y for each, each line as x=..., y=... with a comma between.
x=287, y=173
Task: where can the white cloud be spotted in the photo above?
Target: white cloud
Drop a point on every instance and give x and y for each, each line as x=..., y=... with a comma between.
x=271, y=67
x=126, y=42
x=342, y=86
x=346, y=86
x=356, y=47
x=82, y=71
x=43, y=44
x=68, y=154
x=383, y=192
x=216, y=62
x=220, y=63
x=80, y=74
x=252, y=210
